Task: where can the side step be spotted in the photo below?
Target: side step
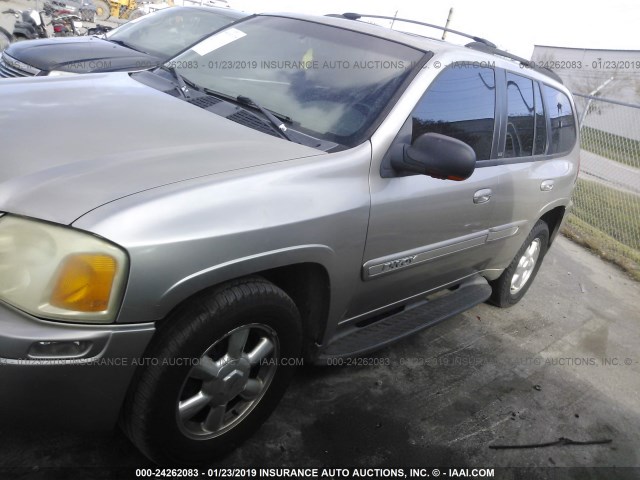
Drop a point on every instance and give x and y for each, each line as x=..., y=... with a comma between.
x=359, y=341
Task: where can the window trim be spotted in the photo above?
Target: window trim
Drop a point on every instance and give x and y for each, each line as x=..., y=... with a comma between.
x=503, y=113
x=573, y=111
x=387, y=171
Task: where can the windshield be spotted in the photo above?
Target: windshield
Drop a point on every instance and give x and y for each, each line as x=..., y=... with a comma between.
x=167, y=32
x=331, y=83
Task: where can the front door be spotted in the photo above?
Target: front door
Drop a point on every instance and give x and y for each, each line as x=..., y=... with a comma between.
x=424, y=232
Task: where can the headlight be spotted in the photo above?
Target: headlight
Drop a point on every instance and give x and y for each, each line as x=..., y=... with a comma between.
x=60, y=273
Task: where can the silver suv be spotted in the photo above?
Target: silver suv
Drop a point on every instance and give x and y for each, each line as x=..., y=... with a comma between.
x=291, y=187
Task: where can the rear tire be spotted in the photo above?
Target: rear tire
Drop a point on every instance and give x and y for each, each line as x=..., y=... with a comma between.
x=103, y=10
x=514, y=282
x=137, y=13
x=88, y=16
x=5, y=39
x=188, y=415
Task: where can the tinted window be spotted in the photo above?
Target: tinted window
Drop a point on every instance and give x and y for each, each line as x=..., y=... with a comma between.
x=520, y=121
x=563, y=129
x=461, y=104
x=541, y=124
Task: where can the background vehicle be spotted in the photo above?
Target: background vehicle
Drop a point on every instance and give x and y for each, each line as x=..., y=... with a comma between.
x=85, y=9
x=292, y=210
x=29, y=25
x=125, y=9
x=66, y=25
x=139, y=45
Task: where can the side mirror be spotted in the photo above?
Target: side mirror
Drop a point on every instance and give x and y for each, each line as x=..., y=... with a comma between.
x=435, y=155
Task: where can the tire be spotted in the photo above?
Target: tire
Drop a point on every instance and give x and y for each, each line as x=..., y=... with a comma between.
x=88, y=16
x=173, y=413
x=103, y=10
x=5, y=39
x=137, y=13
x=514, y=282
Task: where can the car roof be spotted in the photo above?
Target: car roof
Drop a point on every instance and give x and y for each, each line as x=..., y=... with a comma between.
x=225, y=12
x=426, y=44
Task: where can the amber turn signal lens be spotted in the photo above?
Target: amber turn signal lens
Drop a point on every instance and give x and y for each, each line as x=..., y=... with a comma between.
x=84, y=283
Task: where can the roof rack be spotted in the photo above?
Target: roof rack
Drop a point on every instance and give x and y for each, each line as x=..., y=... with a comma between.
x=522, y=61
x=479, y=43
x=358, y=16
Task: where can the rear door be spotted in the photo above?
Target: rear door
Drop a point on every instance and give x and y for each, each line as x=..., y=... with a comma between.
x=533, y=170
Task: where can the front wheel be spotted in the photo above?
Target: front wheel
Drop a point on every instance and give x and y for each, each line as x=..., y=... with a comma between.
x=88, y=16
x=514, y=282
x=137, y=13
x=103, y=10
x=214, y=373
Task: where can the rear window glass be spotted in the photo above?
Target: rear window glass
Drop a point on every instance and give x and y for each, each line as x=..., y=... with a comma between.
x=521, y=117
x=562, y=136
x=541, y=124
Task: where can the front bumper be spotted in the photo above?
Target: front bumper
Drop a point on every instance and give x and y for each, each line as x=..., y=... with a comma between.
x=84, y=392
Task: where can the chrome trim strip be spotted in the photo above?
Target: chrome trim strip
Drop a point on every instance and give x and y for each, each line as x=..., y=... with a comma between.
x=399, y=261
x=505, y=231
x=17, y=65
x=409, y=258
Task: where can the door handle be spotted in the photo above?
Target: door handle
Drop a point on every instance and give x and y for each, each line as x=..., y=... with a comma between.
x=482, y=196
x=546, y=186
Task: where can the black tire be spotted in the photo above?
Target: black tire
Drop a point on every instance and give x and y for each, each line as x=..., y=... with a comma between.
x=503, y=294
x=151, y=415
x=5, y=39
x=88, y=16
x=103, y=10
x=137, y=13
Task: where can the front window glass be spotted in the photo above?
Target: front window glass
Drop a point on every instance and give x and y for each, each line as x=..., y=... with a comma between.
x=166, y=33
x=460, y=104
x=331, y=83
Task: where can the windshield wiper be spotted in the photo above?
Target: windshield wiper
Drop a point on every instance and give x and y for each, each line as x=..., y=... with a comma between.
x=280, y=126
x=124, y=44
x=182, y=86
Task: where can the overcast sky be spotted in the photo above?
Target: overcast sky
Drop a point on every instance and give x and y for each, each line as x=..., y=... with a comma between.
x=513, y=25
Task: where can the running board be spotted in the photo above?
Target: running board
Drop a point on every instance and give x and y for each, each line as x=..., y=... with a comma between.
x=359, y=341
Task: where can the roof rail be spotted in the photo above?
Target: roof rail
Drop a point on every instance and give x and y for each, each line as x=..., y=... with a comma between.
x=479, y=43
x=522, y=61
x=358, y=16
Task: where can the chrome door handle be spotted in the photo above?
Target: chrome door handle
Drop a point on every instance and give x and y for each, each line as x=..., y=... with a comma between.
x=482, y=196
x=546, y=186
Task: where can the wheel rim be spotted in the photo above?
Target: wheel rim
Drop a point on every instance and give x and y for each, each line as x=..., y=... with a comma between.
x=525, y=267
x=228, y=382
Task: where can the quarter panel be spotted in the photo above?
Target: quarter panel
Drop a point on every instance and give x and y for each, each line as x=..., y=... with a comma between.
x=188, y=236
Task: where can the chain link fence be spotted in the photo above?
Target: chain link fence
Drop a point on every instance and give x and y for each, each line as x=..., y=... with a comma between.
x=606, y=212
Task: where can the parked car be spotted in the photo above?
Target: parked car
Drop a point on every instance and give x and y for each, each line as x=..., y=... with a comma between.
x=137, y=45
x=297, y=187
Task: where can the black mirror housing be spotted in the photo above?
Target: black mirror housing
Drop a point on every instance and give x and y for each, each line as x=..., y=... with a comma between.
x=437, y=156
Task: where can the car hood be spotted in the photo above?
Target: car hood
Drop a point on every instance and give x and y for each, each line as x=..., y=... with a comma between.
x=80, y=55
x=71, y=144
